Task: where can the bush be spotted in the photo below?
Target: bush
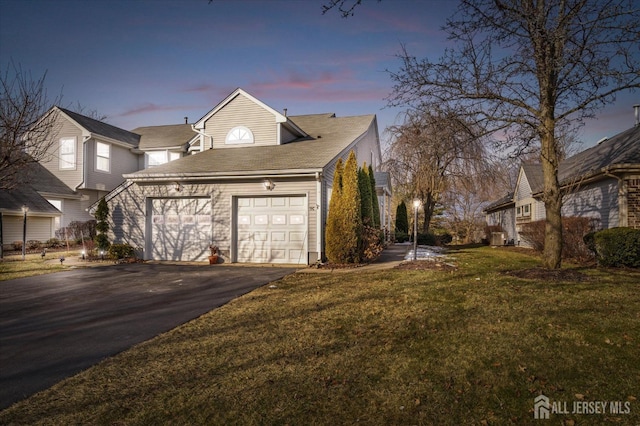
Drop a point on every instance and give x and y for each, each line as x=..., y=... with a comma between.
x=53, y=243
x=33, y=245
x=17, y=245
x=427, y=239
x=120, y=251
x=574, y=231
x=401, y=237
x=371, y=243
x=618, y=247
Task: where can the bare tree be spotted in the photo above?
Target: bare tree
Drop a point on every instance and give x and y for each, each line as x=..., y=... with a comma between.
x=427, y=151
x=533, y=71
x=345, y=7
x=26, y=130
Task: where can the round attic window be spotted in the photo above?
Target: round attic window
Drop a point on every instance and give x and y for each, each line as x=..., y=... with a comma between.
x=239, y=135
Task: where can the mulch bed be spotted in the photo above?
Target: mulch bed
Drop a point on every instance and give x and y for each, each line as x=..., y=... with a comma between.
x=550, y=274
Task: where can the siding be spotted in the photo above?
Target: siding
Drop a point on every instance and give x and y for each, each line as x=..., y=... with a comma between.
x=64, y=129
x=122, y=161
x=38, y=228
x=242, y=112
x=598, y=200
x=129, y=208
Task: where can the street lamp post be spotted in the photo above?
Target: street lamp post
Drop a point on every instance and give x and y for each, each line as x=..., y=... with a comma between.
x=25, y=209
x=416, y=205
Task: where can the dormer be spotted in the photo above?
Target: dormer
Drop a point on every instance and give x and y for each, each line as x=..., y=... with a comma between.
x=241, y=120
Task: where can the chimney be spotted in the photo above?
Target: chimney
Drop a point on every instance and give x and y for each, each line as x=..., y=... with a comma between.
x=285, y=112
x=186, y=120
x=636, y=110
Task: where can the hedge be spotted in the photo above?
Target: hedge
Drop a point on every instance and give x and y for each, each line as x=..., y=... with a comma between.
x=618, y=247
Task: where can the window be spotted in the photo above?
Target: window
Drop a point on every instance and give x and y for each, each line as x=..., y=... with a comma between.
x=67, y=153
x=103, y=155
x=239, y=135
x=174, y=156
x=155, y=158
x=523, y=211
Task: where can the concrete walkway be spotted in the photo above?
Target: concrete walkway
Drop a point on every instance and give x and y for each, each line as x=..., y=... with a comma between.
x=390, y=257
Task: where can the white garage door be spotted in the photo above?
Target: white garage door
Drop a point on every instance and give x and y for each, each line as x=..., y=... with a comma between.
x=272, y=230
x=181, y=228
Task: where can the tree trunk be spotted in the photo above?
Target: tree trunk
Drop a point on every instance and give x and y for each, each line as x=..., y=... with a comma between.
x=429, y=206
x=552, y=255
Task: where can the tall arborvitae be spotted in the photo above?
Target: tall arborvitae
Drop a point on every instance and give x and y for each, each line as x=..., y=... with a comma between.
x=374, y=199
x=351, y=217
x=402, y=221
x=332, y=232
x=366, y=208
x=102, y=226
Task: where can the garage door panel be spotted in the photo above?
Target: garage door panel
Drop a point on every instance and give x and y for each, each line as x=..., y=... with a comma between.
x=271, y=229
x=181, y=228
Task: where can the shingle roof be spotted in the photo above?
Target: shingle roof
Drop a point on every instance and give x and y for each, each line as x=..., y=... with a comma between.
x=503, y=202
x=103, y=129
x=383, y=180
x=329, y=136
x=533, y=171
x=158, y=137
x=42, y=180
x=14, y=199
x=623, y=148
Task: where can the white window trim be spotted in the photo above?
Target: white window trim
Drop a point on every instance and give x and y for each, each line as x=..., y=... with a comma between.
x=108, y=158
x=65, y=164
x=232, y=140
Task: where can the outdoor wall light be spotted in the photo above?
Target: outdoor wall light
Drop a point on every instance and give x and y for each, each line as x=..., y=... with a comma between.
x=268, y=184
x=177, y=187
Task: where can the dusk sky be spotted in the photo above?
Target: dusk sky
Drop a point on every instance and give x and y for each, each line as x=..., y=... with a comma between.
x=144, y=63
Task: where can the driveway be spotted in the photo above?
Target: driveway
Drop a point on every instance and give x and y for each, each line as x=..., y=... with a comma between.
x=54, y=326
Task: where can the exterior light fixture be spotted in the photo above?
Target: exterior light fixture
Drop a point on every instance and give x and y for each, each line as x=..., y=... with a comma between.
x=416, y=206
x=25, y=209
x=268, y=184
x=177, y=187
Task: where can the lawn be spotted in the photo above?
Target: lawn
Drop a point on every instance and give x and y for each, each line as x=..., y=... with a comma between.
x=12, y=266
x=470, y=346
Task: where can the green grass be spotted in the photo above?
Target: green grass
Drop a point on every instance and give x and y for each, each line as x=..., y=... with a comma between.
x=473, y=346
x=12, y=267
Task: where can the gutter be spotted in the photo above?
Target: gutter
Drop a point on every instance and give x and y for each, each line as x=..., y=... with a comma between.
x=204, y=136
x=198, y=176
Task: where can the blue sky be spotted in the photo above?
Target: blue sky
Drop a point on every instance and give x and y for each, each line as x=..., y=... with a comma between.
x=144, y=63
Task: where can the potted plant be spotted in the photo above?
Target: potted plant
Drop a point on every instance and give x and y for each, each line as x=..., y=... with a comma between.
x=213, y=256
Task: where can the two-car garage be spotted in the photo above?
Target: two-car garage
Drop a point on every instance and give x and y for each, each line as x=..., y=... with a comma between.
x=265, y=229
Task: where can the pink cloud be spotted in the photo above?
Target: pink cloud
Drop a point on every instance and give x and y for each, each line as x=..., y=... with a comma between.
x=148, y=107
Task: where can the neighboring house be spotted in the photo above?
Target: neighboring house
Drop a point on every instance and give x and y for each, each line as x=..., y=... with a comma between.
x=258, y=189
x=383, y=191
x=602, y=182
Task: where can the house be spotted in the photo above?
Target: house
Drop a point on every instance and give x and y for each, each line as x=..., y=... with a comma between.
x=258, y=188
x=161, y=144
x=602, y=182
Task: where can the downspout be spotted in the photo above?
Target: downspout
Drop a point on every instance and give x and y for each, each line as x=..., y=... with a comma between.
x=319, y=204
x=204, y=136
x=622, y=199
x=84, y=162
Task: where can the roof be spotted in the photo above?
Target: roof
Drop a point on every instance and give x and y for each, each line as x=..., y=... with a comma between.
x=163, y=137
x=100, y=128
x=12, y=200
x=42, y=180
x=330, y=136
x=500, y=204
x=621, y=149
x=533, y=171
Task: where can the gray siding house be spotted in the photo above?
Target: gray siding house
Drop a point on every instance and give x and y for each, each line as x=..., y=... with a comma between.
x=602, y=182
x=258, y=188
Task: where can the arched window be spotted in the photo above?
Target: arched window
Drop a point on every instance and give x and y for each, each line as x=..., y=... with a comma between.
x=239, y=135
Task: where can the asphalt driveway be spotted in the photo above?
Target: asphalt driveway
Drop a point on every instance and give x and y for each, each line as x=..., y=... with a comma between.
x=56, y=325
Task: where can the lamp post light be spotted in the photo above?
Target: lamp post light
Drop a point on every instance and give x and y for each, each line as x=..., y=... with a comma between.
x=416, y=206
x=25, y=209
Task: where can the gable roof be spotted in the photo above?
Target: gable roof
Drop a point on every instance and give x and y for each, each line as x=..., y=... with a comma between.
x=533, y=172
x=502, y=203
x=100, y=128
x=279, y=118
x=164, y=137
x=42, y=180
x=12, y=200
x=332, y=135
